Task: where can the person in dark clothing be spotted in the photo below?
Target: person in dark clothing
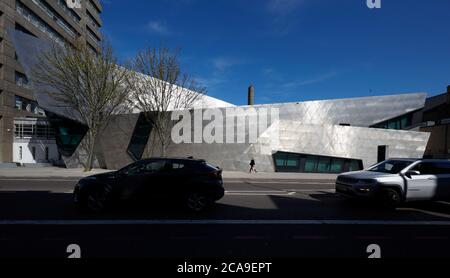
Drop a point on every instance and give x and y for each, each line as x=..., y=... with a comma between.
x=252, y=165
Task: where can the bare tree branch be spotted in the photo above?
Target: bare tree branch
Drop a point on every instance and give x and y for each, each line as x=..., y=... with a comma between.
x=160, y=87
x=93, y=85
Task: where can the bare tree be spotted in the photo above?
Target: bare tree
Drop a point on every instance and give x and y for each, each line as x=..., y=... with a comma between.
x=160, y=87
x=90, y=84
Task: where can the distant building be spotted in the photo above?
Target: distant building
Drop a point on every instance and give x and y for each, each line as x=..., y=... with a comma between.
x=21, y=118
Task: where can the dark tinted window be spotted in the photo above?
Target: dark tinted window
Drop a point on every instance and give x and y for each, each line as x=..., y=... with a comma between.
x=391, y=166
x=401, y=122
x=210, y=166
x=147, y=167
x=140, y=137
x=132, y=169
x=68, y=133
x=433, y=168
x=296, y=162
x=443, y=167
x=154, y=166
x=176, y=165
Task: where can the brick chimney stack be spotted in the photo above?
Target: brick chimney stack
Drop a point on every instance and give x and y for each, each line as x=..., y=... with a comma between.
x=251, y=95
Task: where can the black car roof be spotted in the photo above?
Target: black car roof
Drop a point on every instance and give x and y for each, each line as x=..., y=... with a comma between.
x=420, y=159
x=174, y=158
x=405, y=159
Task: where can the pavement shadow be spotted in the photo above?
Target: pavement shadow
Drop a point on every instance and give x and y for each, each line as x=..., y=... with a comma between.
x=48, y=205
x=367, y=208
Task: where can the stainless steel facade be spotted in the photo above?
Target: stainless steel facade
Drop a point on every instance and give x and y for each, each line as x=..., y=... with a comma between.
x=312, y=133
x=335, y=128
x=294, y=136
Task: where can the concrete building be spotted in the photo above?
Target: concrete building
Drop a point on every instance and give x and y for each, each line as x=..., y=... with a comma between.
x=21, y=119
x=327, y=136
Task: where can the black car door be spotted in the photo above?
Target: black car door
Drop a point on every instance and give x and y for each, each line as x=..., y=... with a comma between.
x=131, y=179
x=176, y=176
x=153, y=181
x=443, y=180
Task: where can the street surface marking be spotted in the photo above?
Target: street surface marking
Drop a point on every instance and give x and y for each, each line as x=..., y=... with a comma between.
x=311, y=190
x=431, y=237
x=230, y=193
x=312, y=237
x=257, y=192
x=49, y=179
x=279, y=182
x=223, y=222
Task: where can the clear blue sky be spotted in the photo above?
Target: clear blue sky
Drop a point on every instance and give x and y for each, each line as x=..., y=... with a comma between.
x=293, y=50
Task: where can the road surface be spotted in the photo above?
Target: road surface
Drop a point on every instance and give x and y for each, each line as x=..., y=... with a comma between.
x=255, y=219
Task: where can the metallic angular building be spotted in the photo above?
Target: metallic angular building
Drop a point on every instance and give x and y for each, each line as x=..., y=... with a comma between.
x=328, y=136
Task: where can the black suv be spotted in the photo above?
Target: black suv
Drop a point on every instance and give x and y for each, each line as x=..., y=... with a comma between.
x=193, y=182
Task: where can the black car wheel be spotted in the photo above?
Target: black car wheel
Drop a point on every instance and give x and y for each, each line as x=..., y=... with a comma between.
x=197, y=202
x=76, y=196
x=390, y=198
x=97, y=199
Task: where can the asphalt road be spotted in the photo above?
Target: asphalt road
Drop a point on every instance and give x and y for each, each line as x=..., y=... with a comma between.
x=266, y=218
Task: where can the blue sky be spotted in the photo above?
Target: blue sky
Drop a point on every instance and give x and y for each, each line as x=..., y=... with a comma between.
x=293, y=50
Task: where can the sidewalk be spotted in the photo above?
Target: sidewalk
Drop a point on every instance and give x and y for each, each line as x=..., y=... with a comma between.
x=277, y=176
x=62, y=173
x=47, y=172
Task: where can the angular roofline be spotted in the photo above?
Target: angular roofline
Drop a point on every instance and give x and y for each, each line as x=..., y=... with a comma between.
x=424, y=94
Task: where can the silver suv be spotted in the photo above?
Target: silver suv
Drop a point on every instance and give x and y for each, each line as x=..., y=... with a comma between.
x=395, y=181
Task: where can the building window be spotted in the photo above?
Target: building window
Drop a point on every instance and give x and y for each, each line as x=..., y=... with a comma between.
x=92, y=49
x=92, y=35
x=294, y=162
x=140, y=136
x=354, y=166
x=22, y=80
x=68, y=133
x=35, y=20
x=92, y=20
x=337, y=165
x=324, y=165
x=69, y=11
x=32, y=129
x=399, y=123
x=311, y=164
x=56, y=17
x=93, y=6
x=23, y=30
x=25, y=104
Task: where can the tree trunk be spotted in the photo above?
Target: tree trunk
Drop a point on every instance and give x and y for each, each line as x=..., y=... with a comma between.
x=164, y=149
x=91, y=149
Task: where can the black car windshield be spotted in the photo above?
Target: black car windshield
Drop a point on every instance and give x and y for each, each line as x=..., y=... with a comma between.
x=391, y=166
x=129, y=167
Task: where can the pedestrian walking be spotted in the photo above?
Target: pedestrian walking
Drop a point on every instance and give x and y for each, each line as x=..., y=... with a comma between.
x=252, y=166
